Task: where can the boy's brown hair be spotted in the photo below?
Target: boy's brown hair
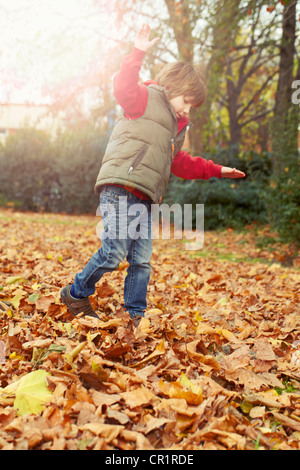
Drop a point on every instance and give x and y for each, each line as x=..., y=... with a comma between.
x=182, y=78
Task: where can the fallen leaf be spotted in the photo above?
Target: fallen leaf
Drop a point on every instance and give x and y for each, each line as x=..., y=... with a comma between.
x=205, y=359
x=183, y=389
x=107, y=431
x=159, y=350
x=30, y=393
x=137, y=397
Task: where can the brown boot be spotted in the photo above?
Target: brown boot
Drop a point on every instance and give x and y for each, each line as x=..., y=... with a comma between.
x=77, y=306
x=136, y=320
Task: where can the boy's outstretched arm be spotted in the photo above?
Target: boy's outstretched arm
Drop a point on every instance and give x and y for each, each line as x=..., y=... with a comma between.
x=228, y=172
x=187, y=167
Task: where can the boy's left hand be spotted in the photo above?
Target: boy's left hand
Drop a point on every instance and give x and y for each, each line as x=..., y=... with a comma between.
x=142, y=40
x=228, y=172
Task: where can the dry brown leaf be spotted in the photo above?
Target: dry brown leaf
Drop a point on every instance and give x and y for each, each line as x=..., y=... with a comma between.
x=207, y=360
x=159, y=350
x=107, y=431
x=239, y=359
x=205, y=329
x=137, y=397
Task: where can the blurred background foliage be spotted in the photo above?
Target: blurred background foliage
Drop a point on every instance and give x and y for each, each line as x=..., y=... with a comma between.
x=65, y=183
x=249, y=51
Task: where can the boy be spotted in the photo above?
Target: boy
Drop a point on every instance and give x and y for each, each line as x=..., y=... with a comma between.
x=145, y=146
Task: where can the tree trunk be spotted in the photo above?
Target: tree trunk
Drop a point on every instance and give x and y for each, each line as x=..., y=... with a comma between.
x=233, y=97
x=282, y=145
x=180, y=22
x=225, y=27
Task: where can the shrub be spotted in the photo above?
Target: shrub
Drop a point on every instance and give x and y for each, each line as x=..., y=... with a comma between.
x=283, y=204
x=39, y=173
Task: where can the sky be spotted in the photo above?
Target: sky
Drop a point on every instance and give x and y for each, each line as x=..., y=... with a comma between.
x=46, y=42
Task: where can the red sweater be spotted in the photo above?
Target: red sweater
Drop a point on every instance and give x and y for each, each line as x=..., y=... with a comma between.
x=132, y=97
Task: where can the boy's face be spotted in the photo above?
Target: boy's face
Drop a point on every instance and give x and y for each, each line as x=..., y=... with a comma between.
x=182, y=105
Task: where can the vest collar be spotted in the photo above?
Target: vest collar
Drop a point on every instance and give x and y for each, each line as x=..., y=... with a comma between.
x=162, y=90
x=183, y=121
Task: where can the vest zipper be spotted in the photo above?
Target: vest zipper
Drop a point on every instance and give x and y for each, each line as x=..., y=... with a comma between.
x=184, y=129
x=173, y=147
x=139, y=157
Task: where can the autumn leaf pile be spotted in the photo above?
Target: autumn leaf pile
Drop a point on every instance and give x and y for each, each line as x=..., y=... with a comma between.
x=215, y=364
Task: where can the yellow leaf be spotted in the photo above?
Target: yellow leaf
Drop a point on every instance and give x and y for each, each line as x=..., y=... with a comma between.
x=88, y=233
x=184, y=389
x=198, y=317
x=15, y=301
x=190, y=385
x=99, y=371
x=226, y=334
x=192, y=277
x=9, y=313
x=74, y=353
x=36, y=286
x=68, y=327
x=14, y=355
x=16, y=280
x=222, y=301
x=91, y=336
x=30, y=391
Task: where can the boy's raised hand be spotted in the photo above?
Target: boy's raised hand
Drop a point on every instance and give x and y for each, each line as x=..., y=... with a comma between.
x=142, y=41
x=228, y=172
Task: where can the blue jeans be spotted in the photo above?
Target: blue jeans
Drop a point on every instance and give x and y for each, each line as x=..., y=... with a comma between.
x=127, y=233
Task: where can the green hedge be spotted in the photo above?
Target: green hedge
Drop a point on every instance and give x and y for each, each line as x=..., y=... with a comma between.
x=283, y=202
x=39, y=173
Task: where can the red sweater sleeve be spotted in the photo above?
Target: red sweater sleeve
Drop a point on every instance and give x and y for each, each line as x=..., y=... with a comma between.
x=188, y=167
x=131, y=96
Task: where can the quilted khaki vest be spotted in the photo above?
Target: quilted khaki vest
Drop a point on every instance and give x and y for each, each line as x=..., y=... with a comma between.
x=139, y=153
